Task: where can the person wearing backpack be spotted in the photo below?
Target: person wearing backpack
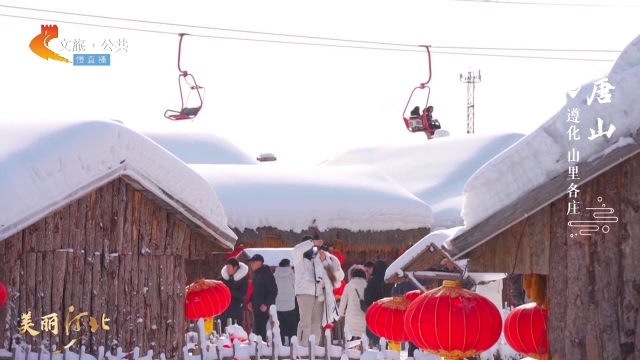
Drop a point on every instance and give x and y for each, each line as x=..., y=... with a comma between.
x=350, y=304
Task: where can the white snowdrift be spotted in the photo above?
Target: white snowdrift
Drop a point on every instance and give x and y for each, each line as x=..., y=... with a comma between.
x=200, y=148
x=435, y=171
x=45, y=165
x=543, y=154
x=351, y=197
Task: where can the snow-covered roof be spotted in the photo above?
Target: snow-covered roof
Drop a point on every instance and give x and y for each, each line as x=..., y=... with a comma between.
x=272, y=257
x=437, y=239
x=540, y=160
x=511, y=174
x=435, y=171
x=350, y=197
x=46, y=165
x=200, y=147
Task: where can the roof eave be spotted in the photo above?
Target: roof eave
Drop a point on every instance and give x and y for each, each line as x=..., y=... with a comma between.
x=535, y=199
x=141, y=183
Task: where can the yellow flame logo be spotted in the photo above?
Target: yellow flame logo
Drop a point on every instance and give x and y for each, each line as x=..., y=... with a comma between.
x=40, y=44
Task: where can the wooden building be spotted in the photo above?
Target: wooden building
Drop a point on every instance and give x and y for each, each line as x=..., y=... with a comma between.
x=589, y=282
x=113, y=243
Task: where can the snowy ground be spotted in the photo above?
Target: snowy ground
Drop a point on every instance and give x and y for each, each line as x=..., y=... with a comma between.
x=436, y=171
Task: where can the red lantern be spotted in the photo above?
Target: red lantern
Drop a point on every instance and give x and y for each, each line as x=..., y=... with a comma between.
x=385, y=318
x=339, y=255
x=206, y=299
x=453, y=322
x=412, y=295
x=525, y=330
x=337, y=292
x=3, y=294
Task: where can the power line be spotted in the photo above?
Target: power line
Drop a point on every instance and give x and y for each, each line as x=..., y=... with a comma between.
x=549, y=4
x=298, y=43
x=296, y=36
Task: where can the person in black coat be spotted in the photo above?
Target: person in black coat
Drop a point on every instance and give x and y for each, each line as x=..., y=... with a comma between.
x=264, y=294
x=376, y=289
x=234, y=276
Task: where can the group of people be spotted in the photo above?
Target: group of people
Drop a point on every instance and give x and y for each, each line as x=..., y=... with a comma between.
x=304, y=293
x=433, y=124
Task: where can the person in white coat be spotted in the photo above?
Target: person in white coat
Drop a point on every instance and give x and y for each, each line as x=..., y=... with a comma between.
x=286, y=300
x=350, y=308
x=317, y=272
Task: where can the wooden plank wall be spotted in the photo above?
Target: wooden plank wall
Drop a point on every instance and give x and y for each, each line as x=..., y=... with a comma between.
x=593, y=281
x=358, y=246
x=599, y=274
x=523, y=248
x=106, y=253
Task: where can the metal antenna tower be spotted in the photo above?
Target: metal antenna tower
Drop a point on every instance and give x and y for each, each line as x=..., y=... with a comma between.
x=471, y=79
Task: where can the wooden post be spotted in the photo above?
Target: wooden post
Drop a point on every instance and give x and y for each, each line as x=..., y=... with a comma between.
x=291, y=354
x=327, y=344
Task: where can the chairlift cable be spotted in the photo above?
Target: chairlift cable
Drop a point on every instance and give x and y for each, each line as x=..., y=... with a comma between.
x=302, y=36
x=298, y=43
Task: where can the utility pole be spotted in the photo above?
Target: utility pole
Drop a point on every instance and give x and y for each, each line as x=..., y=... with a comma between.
x=471, y=79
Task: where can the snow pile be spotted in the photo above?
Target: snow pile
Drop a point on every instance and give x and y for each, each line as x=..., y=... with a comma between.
x=437, y=237
x=543, y=154
x=45, y=165
x=351, y=197
x=200, y=148
x=435, y=171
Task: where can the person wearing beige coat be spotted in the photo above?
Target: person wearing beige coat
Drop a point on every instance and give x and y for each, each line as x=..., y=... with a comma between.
x=350, y=304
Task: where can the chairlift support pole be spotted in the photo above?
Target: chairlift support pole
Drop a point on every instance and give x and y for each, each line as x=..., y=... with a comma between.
x=470, y=79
